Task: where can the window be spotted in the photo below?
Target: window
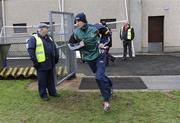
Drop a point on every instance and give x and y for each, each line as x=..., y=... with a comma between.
x=20, y=28
x=111, y=26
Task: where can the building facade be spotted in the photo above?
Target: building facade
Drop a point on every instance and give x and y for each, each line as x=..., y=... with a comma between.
x=156, y=23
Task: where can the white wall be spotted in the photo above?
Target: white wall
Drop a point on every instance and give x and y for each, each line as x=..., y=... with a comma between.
x=35, y=11
x=171, y=21
x=135, y=11
x=100, y=9
x=29, y=11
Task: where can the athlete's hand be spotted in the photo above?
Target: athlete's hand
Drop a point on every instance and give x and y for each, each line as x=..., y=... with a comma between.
x=82, y=44
x=101, y=46
x=106, y=47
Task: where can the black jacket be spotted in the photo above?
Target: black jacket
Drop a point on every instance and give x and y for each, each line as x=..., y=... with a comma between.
x=51, y=52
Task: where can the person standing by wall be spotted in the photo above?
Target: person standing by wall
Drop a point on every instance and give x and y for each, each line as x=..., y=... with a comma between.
x=127, y=35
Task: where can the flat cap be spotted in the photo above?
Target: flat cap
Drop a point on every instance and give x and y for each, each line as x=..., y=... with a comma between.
x=43, y=25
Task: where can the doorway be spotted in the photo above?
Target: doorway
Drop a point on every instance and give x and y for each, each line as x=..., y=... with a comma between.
x=156, y=33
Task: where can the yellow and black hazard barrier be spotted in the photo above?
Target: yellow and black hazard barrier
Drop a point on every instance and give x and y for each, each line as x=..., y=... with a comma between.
x=26, y=73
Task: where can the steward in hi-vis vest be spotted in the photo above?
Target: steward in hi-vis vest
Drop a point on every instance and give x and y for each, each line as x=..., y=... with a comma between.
x=40, y=53
x=127, y=35
x=44, y=54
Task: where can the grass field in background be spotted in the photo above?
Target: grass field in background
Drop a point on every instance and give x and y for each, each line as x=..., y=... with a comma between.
x=20, y=105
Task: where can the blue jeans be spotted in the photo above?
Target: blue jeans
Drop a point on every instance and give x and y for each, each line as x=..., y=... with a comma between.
x=98, y=67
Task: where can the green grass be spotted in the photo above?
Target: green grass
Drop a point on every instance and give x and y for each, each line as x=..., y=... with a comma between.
x=19, y=105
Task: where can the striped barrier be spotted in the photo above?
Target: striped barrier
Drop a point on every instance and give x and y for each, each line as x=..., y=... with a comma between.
x=26, y=73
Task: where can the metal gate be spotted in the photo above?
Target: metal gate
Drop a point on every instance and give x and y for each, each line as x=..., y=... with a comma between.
x=19, y=63
x=61, y=28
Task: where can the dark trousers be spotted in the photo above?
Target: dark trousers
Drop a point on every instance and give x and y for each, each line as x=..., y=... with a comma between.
x=46, y=82
x=109, y=57
x=127, y=44
x=103, y=82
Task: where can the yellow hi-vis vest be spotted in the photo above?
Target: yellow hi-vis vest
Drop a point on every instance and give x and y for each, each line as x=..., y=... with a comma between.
x=129, y=35
x=40, y=53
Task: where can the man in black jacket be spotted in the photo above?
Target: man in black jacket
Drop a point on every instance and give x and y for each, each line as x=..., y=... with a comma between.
x=43, y=53
x=109, y=56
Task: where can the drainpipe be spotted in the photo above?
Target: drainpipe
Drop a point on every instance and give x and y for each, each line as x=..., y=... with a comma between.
x=126, y=9
x=62, y=16
x=3, y=19
x=61, y=5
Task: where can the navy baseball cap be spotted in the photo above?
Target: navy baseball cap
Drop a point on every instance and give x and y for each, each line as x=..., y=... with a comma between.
x=81, y=17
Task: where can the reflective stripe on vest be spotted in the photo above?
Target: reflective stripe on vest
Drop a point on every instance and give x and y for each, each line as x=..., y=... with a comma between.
x=129, y=35
x=40, y=54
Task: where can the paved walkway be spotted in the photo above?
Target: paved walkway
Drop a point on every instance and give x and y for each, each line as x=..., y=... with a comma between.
x=162, y=82
x=158, y=72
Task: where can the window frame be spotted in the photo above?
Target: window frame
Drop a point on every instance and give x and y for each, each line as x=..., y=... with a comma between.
x=17, y=30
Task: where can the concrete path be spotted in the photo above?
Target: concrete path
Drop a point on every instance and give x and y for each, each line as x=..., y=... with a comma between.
x=162, y=82
x=158, y=72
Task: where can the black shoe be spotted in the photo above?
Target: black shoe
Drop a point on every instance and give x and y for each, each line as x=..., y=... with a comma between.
x=55, y=95
x=130, y=58
x=45, y=98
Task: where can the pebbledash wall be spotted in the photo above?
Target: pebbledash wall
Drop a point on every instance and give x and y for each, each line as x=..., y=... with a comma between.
x=32, y=12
